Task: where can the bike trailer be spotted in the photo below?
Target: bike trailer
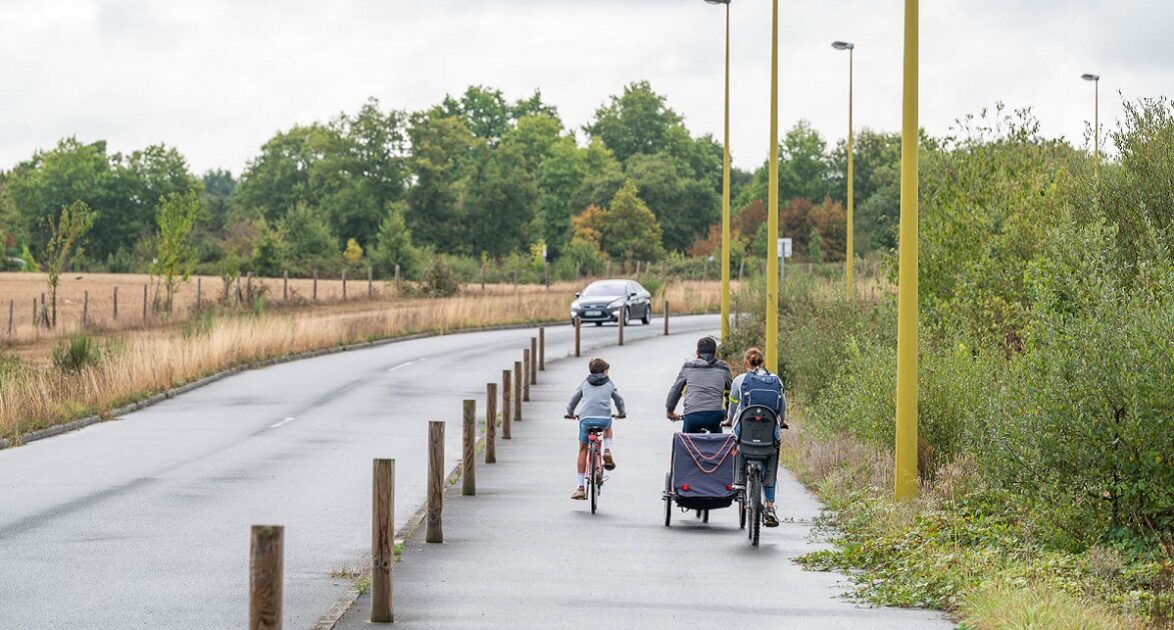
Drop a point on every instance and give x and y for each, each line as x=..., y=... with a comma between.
x=702, y=474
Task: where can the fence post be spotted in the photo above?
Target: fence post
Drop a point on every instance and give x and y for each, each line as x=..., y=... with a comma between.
x=397, y=286
x=285, y=285
x=490, y=423
x=265, y=577
x=533, y=360
x=315, y=285
x=115, y=303
x=608, y=272
x=34, y=312
x=85, y=308
x=578, y=329
x=666, y=318
x=435, y=531
x=249, y=287
x=620, y=327
x=525, y=374
x=469, y=453
x=144, y=303
x=741, y=268
x=542, y=348
x=11, y=315
x=344, y=284
x=517, y=391
x=370, y=284
x=483, y=276
x=383, y=541
x=199, y=292
x=239, y=296
x=506, y=399
x=170, y=298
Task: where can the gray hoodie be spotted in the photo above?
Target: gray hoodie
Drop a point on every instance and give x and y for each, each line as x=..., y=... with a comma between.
x=594, y=396
x=704, y=381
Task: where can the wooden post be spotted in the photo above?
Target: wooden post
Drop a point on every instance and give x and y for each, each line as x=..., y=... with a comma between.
x=315, y=298
x=666, y=318
x=85, y=308
x=469, y=453
x=285, y=285
x=397, y=285
x=11, y=315
x=490, y=423
x=265, y=577
x=525, y=375
x=517, y=391
x=144, y=303
x=705, y=270
x=115, y=303
x=620, y=327
x=608, y=271
x=506, y=399
x=238, y=289
x=199, y=292
x=533, y=360
x=344, y=284
x=578, y=330
x=483, y=276
x=637, y=268
x=383, y=541
x=249, y=287
x=741, y=268
x=435, y=531
x=34, y=312
x=542, y=348
x=170, y=298
x=370, y=283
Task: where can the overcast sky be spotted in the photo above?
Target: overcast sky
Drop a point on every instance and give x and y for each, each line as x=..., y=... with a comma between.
x=216, y=78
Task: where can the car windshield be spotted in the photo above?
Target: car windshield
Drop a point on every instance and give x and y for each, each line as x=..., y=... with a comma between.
x=601, y=289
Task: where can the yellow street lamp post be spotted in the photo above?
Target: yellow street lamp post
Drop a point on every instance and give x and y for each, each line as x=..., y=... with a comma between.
x=772, y=213
x=726, y=188
x=849, y=251
x=1096, y=120
x=905, y=482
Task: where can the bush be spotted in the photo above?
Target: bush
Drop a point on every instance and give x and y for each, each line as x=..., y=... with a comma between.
x=440, y=280
x=76, y=353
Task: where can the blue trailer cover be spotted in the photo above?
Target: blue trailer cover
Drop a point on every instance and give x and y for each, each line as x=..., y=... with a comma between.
x=705, y=463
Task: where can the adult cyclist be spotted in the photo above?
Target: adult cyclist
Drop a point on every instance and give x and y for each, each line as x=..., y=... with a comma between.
x=753, y=361
x=704, y=381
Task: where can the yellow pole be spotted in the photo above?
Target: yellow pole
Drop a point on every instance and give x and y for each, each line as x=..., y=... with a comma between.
x=726, y=197
x=772, y=214
x=906, y=446
x=849, y=251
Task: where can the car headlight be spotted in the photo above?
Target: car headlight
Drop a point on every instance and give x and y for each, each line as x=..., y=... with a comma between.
x=575, y=305
x=616, y=303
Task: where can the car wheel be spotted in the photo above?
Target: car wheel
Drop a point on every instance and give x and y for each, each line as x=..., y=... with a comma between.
x=598, y=323
x=647, y=314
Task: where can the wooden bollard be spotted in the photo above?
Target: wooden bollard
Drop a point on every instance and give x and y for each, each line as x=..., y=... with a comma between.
x=666, y=318
x=542, y=348
x=265, y=577
x=526, y=374
x=506, y=401
x=490, y=423
x=85, y=308
x=533, y=361
x=383, y=541
x=315, y=298
x=115, y=303
x=469, y=452
x=620, y=326
x=144, y=303
x=435, y=530
x=517, y=391
x=578, y=330
x=285, y=286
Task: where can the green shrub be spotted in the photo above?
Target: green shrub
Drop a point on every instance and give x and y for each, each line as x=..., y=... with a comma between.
x=76, y=353
x=440, y=280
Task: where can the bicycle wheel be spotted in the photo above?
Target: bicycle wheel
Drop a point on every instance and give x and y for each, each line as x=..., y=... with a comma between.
x=592, y=453
x=668, y=499
x=754, y=505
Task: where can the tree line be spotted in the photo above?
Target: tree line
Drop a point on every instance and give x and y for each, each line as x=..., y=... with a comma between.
x=476, y=177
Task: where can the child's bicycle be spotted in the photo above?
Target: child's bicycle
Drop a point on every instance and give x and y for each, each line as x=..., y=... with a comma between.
x=595, y=476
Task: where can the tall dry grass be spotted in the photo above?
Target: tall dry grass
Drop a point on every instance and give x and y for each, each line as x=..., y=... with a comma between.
x=138, y=364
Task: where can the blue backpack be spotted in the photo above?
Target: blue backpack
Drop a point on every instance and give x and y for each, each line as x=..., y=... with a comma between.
x=761, y=390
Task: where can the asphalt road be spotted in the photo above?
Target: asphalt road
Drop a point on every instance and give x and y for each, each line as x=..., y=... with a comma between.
x=144, y=522
x=521, y=554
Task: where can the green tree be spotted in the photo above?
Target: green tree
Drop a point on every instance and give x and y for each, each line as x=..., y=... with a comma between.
x=629, y=230
x=638, y=121
x=484, y=111
x=440, y=161
x=64, y=235
x=312, y=244
x=560, y=176
x=683, y=206
x=270, y=250
x=500, y=203
x=175, y=253
x=393, y=246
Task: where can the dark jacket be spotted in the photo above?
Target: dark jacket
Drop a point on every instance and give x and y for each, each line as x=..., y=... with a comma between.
x=705, y=382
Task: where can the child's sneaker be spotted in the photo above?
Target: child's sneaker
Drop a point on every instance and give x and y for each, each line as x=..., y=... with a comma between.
x=579, y=494
x=609, y=462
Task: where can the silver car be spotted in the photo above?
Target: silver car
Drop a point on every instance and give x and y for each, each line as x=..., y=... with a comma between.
x=609, y=300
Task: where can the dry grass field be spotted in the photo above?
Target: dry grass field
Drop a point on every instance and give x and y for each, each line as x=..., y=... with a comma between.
x=134, y=363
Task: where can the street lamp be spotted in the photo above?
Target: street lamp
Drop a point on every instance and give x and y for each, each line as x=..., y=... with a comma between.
x=905, y=448
x=1096, y=123
x=849, y=249
x=772, y=212
x=726, y=188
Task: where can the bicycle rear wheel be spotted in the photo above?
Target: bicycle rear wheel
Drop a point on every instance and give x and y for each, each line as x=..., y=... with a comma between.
x=754, y=505
x=592, y=457
x=668, y=499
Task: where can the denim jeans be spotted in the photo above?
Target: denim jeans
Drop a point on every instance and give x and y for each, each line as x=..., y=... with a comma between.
x=709, y=420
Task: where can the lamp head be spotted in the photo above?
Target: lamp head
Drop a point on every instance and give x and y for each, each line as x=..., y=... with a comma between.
x=717, y=1
x=838, y=45
x=1091, y=77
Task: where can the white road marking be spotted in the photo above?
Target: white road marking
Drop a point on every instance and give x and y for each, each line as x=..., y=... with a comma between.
x=401, y=365
x=278, y=425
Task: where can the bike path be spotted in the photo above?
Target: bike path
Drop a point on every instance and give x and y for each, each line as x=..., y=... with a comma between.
x=521, y=554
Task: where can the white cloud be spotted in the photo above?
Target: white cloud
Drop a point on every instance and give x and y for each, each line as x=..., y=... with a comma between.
x=217, y=78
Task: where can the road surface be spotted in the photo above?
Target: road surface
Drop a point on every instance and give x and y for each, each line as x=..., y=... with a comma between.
x=521, y=554
x=144, y=522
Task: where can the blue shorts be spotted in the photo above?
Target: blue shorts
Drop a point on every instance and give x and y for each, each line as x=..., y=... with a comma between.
x=603, y=423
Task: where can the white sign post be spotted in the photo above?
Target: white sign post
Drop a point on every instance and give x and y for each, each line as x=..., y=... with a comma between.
x=784, y=252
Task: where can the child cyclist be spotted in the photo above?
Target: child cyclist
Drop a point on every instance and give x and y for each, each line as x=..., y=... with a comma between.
x=593, y=400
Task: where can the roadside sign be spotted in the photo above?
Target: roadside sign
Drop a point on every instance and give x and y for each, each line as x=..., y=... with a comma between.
x=784, y=248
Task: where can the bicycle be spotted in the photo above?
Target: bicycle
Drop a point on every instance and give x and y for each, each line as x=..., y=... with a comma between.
x=595, y=476
x=757, y=445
